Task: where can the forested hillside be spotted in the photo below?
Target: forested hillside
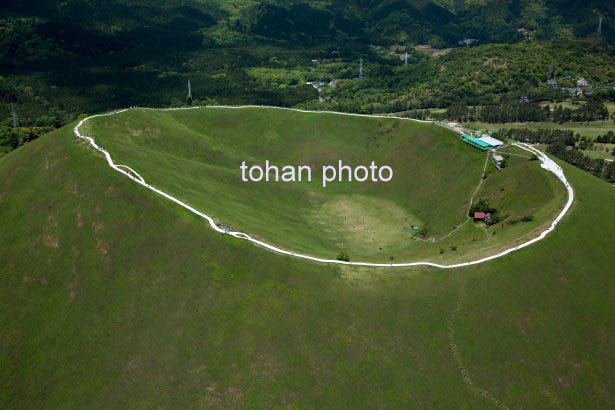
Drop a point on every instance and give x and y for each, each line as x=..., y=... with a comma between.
x=60, y=59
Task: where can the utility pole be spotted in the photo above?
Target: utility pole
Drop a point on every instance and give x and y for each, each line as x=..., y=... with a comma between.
x=361, y=68
x=14, y=115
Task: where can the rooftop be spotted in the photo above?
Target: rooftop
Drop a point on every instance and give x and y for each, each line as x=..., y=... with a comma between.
x=477, y=141
x=491, y=141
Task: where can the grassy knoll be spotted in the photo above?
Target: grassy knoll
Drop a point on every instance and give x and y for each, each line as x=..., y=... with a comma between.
x=114, y=298
x=195, y=155
x=593, y=129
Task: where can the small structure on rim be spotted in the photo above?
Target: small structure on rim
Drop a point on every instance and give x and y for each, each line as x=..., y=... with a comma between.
x=484, y=143
x=481, y=216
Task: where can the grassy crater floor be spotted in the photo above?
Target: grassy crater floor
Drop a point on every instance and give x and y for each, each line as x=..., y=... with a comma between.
x=195, y=155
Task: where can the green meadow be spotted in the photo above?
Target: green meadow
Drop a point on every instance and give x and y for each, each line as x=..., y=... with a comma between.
x=112, y=297
x=195, y=155
x=599, y=154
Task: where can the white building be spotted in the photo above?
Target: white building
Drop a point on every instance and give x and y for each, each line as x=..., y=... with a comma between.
x=491, y=141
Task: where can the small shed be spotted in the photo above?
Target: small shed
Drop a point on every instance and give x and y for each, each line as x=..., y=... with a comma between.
x=481, y=216
x=498, y=159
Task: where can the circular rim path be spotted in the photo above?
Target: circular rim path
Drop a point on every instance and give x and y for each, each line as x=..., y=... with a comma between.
x=546, y=163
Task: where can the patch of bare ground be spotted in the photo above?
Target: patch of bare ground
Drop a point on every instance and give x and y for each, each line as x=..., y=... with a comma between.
x=49, y=163
x=551, y=395
x=51, y=241
x=433, y=52
x=72, y=293
x=267, y=366
x=102, y=247
x=97, y=226
x=134, y=363
x=48, y=238
x=216, y=397
x=27, y=279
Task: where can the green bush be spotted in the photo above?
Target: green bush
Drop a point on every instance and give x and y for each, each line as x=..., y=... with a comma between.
x=343, y=256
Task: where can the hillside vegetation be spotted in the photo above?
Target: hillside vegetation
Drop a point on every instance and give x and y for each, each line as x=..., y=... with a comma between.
x=115, y=298
x=61, y=59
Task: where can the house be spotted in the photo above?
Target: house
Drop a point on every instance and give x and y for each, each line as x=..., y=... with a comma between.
x=566, y=78
x=589, y=91
x=481, y=216
x=573, y=91
x=498, y=159
x=552, y=83
x=467, y=41
x=582, y=82
x=526, y=33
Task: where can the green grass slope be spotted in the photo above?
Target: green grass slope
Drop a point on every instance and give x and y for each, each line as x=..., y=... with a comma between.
x=195, y=155
x=113, y=298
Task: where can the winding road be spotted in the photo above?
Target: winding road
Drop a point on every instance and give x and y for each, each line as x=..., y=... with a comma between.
x=546, y=163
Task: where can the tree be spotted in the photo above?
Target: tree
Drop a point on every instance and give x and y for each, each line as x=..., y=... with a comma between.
x=457, y=111
x=533, y=14
x=343, y=256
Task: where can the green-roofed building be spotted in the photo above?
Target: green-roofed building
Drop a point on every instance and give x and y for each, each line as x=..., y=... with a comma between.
x=476, y=143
